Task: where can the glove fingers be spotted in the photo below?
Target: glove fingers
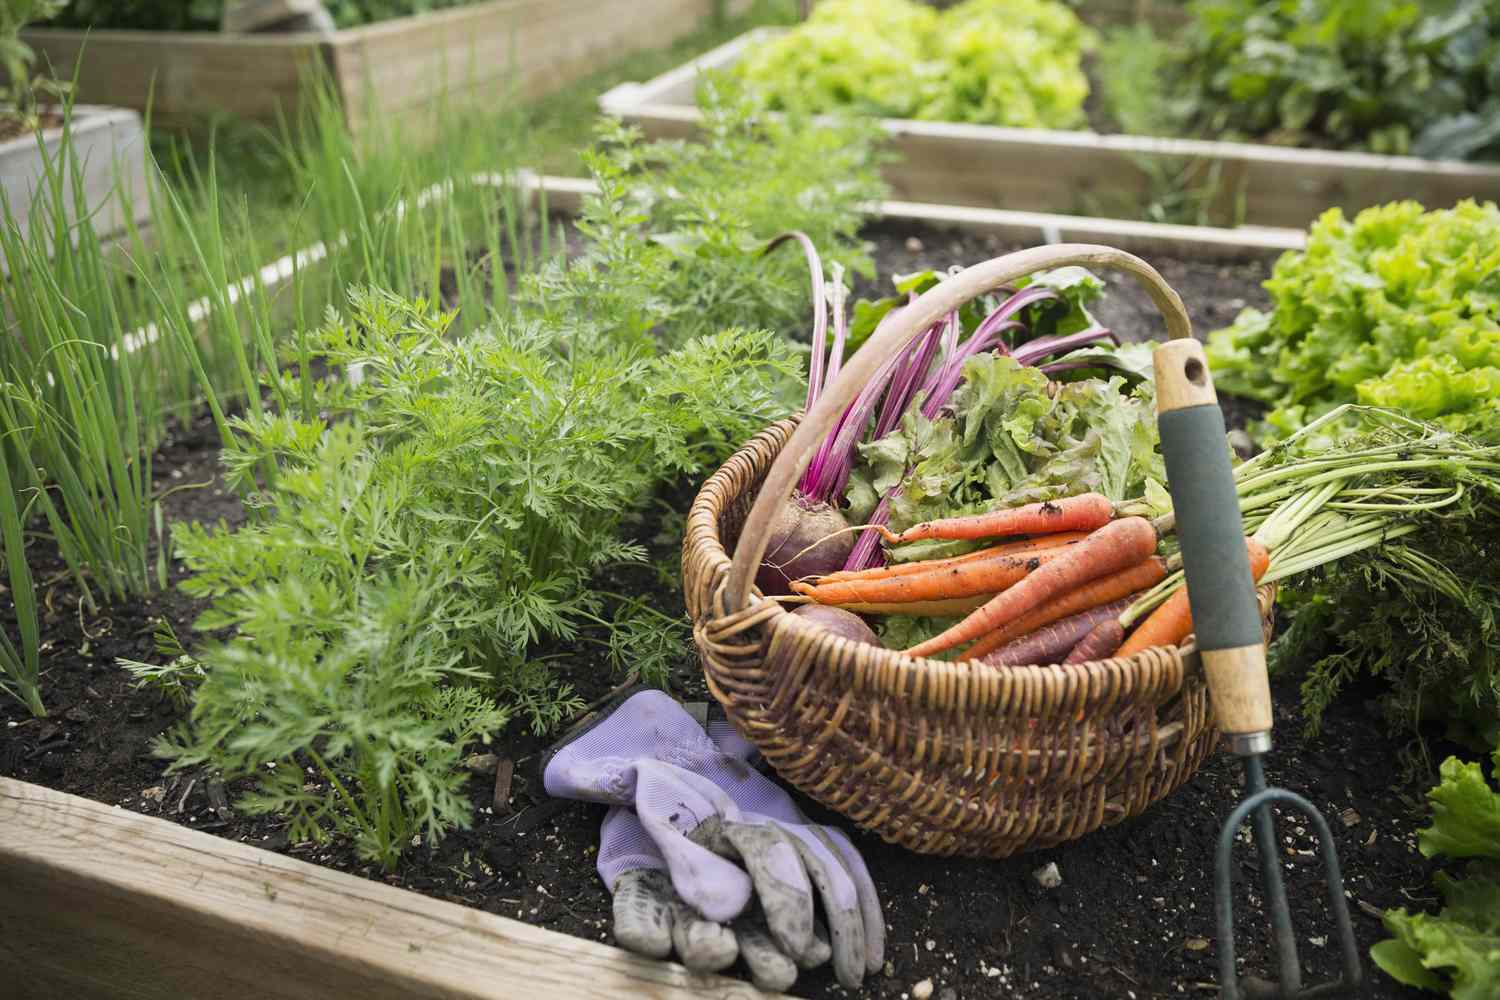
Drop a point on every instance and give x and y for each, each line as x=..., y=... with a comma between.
x=770, y=968
x=643, y=913
x=702, y=945
x=781, y=884
x=710, y=835
x=846, y=927
x=864, y=887
x=820, y=951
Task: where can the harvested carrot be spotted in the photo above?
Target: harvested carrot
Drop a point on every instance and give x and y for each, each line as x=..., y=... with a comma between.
x=961, y=579
x=1172, y=621
x=953, y=607
x=1114, y=547
x=1102, y=640
x=921, y=566
x=1049, y=643
x=1142, y=576
x=1084, y=512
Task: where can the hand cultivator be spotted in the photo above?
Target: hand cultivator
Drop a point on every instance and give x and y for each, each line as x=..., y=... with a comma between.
x=1232, y=648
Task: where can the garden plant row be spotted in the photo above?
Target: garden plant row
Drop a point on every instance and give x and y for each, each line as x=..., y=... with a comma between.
x=1260, y=114
x=464, y=544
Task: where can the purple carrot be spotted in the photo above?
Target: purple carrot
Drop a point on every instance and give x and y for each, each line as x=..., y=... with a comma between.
x=1051, y=643
x=1102, y=641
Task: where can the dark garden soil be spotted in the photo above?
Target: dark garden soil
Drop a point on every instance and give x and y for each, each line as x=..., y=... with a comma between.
x=1132, y=916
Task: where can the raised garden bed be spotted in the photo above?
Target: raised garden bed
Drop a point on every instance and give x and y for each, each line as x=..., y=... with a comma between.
x=109, y=146
x=1043, y=170
x=101, y=901
x=403, y=68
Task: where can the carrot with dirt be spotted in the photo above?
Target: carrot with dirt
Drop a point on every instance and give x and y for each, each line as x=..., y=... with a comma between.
x=960, y=579
x=923, y=565
x=1172, y=621
x=1105, y=590
x=1084, y=512
x=1049, y=643
x=1117, y=545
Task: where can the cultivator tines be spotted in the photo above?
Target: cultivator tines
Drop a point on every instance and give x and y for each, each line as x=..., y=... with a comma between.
x=1222, y=595
x=1257, y=804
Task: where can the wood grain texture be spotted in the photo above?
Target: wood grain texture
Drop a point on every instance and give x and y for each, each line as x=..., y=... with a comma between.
x=181, y=76
x=109, y=149
x=1182, y=376
x=483, y=53
x=1239, y=688
x=96, y=902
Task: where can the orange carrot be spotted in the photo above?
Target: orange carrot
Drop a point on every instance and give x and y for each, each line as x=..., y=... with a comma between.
x=1141, y=576
x=961, y=579
x=923, y=565
x=1110, y=549
x=1084, y=512
x=1172, y=621
x=952, y=607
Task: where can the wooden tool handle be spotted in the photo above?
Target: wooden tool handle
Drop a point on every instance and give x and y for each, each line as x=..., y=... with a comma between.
x=1221, y=590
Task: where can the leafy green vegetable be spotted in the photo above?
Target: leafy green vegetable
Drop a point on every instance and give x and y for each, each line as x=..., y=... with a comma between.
x=675, y=230
x=999, y=62
x=418, y=542
x=1399, y=307
x=424, y=536
x=1007, y=442
x=1456, y=951
x=1389, y=76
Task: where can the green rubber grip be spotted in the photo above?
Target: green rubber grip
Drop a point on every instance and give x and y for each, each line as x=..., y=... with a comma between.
x=1221, y=591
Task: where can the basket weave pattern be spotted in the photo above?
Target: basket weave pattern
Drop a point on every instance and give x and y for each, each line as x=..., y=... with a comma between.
x=950, y=758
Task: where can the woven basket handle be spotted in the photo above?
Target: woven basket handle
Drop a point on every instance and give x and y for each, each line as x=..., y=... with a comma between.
x=931, y=306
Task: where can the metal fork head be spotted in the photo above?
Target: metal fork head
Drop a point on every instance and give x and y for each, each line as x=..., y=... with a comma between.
x=1290, y=986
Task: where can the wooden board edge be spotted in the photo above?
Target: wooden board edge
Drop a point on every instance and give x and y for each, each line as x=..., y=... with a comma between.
x=99, y=901
x=565, y=194
x=652, y=99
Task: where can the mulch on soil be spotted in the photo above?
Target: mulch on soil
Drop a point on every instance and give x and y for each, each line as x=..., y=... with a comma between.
x=1132, y=916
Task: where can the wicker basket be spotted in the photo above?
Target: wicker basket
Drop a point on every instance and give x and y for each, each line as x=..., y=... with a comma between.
x=941, y=757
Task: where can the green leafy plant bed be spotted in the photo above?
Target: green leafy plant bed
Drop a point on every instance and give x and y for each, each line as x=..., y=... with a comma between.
x=415, y=59
x=959, y=160
x=1129, y=915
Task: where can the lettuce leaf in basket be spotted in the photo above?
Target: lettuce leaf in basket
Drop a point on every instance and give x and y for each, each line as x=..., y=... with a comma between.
x=1007, y=441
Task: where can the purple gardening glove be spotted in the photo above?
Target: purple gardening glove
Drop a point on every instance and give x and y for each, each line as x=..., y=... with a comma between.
x=701, y=806
x=651, y=919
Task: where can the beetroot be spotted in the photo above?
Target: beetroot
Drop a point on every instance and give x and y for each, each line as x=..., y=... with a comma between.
x=808, y=538
x=839, y=622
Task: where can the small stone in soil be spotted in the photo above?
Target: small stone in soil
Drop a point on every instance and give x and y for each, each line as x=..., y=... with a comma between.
x=914, y=245
x=78, y=714
x=481, y=763
x=922, y=990
x=1048, y=877
x=1196, y=944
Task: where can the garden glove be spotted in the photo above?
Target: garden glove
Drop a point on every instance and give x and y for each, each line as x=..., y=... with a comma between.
x=649, y=753
x=651, y=919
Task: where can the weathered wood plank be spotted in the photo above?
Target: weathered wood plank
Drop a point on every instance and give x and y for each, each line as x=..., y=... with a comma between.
x=98, y=902
x=181, y=76
x=485, y=53
x=403, y=67
x=1043, y=170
